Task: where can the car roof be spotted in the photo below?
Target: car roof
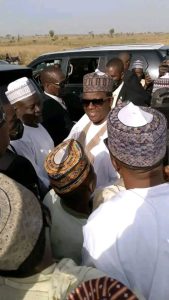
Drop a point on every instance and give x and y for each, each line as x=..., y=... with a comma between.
x=10, y=67
x=113, y=48
x=4, y=62
x=10, y=73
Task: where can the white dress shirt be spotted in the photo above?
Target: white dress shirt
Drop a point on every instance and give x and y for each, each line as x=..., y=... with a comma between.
x=116, y=94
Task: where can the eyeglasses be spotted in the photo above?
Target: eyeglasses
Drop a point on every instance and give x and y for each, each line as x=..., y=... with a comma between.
x=59, y=84
x=95, y=102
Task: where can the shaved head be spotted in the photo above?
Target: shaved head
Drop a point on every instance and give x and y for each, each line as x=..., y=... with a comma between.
x=115, y=69
x=115, y=63
x=50, y=78
x=126, y=59
x=51, y=73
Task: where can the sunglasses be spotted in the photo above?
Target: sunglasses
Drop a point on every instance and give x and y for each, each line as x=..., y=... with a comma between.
x=59, y=84
x=95, y=102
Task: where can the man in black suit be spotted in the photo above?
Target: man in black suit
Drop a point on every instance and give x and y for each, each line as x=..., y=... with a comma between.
x=131, y=79
x=126, y=85
x=56, y=118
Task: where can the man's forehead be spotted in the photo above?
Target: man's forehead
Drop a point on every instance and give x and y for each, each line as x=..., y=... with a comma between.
x=30, y=100
x=10, y=112
x=90, y=95
x=113, y=69
x=8, y=107
x=58, y=75
x=125, y=56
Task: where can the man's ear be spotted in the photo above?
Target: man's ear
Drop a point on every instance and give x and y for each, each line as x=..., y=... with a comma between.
x=16, y=107
x=111, y=101
x=166, y=173
x=47, y=85
x=116, y=165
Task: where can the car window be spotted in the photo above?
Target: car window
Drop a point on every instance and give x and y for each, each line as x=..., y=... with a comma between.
x=42, y=65
x=135, y=56
x=78, y=67
x=154, y=59
x=3, y=89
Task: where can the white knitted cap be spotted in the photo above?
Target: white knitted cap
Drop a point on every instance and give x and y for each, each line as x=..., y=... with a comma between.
x=19, y=89
x=137, y=64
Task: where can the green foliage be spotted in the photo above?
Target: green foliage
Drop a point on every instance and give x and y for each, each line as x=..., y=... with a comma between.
x=51, y=33
x=111, y=32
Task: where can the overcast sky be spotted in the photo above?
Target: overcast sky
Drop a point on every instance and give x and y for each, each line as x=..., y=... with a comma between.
x=81, y=16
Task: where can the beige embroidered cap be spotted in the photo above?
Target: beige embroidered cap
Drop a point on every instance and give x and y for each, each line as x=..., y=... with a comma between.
x=20, y=223
x=68, y=165
x=97, y=82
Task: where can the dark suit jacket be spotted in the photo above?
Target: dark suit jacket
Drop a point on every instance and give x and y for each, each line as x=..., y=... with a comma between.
x=133, y=91
x=56, y=120
x=20, y=169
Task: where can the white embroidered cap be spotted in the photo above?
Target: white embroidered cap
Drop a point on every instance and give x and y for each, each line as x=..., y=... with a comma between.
x=19, y=89
x=134, y=116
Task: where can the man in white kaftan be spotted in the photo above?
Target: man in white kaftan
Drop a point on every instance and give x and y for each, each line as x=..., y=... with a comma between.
x=91, y=129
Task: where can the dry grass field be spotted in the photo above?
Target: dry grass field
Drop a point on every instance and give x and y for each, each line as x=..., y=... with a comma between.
x=29, y=48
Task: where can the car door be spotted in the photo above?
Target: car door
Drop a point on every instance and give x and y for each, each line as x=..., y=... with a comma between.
x=77, y=67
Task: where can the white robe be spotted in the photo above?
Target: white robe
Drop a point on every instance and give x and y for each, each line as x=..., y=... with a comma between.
x=35, y=145
x=106, y=174
x=54, y=282
x=66, y=229
x=128, y=238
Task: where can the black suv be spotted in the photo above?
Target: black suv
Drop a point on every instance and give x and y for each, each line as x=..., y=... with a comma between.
x=76, y=63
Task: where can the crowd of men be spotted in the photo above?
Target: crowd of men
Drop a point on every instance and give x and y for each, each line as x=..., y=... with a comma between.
x=84, y=206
